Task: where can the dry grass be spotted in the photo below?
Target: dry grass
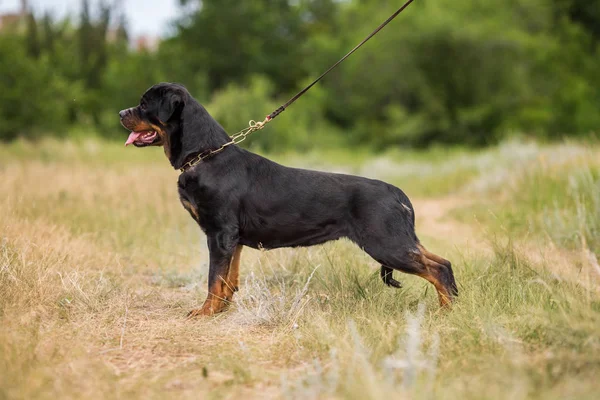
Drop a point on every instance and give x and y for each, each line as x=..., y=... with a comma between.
x=99, y=264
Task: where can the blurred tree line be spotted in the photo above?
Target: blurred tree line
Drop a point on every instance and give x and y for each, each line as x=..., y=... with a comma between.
x=467, y=72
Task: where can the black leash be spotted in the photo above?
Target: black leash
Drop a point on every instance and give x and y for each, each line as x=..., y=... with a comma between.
x=297, y=96
x=255, y=126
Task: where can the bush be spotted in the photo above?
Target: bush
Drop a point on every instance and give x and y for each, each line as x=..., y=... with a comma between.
x=33, y=96
x=301, y=127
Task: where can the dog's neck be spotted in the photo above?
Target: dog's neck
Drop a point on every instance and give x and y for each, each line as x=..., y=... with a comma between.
x=194, y=133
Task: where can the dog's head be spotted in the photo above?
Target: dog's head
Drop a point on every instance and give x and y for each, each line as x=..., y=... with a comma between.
x=169, y=116
x=148, y=122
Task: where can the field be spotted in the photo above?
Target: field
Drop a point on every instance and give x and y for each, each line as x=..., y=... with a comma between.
x=99, y=264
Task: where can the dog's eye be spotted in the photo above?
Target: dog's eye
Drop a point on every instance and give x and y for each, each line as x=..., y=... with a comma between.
x=143, y=106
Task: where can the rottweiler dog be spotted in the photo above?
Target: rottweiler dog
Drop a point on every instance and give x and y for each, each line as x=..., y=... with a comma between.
x=242, y=199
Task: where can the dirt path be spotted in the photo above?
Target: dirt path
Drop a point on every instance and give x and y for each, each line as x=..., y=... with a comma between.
x=435, y=222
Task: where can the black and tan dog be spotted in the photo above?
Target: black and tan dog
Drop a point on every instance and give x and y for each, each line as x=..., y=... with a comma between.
x=242, y=199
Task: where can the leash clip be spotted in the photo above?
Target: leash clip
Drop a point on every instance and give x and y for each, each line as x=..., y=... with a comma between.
x=255, y=126
x=239, y=137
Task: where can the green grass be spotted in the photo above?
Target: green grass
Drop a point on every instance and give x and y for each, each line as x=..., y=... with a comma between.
x=555, y=197
x=99, y=264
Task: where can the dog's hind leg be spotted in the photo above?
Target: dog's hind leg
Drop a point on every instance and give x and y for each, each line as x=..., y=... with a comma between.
x=441, y=278
x=387, y=277
x=440, y=260
x=413, y=261
x=433, y=257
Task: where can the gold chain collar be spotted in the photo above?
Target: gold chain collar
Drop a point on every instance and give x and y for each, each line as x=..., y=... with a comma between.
x=235, y=139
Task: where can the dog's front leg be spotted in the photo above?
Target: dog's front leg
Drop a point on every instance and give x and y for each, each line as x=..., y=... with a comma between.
x=222, y=247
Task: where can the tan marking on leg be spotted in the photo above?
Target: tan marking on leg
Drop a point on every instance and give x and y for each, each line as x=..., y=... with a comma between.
x=432, y=256
x=234, y=269
x=432, y=275
x=220, y=295
x=218, y=299
x=444, y=296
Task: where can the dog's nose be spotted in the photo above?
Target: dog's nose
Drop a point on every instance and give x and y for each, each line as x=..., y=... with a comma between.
x=122, y=113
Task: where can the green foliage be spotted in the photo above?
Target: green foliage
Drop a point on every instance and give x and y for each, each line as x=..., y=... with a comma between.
x=32, y=98
x=462, y=72
x=459, y=72
x=234, y=106
x=231, y=40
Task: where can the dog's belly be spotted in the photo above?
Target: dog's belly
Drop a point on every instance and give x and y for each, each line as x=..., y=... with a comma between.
x=292, y=236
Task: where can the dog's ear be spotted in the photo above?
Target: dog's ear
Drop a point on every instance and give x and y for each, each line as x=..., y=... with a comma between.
x=191, y=133
x=192, y=130
x=169, y=106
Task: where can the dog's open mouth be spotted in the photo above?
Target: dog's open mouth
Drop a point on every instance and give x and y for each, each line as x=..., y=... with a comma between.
x=141, y=138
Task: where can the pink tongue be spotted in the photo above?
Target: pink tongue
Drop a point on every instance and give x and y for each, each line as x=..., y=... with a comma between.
x=132, y=137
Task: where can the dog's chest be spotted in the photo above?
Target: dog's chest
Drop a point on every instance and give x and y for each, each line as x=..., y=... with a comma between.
x=204, y=203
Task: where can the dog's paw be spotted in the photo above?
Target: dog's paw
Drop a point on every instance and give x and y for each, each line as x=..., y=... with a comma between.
x=199, y=312
x=209, y=309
